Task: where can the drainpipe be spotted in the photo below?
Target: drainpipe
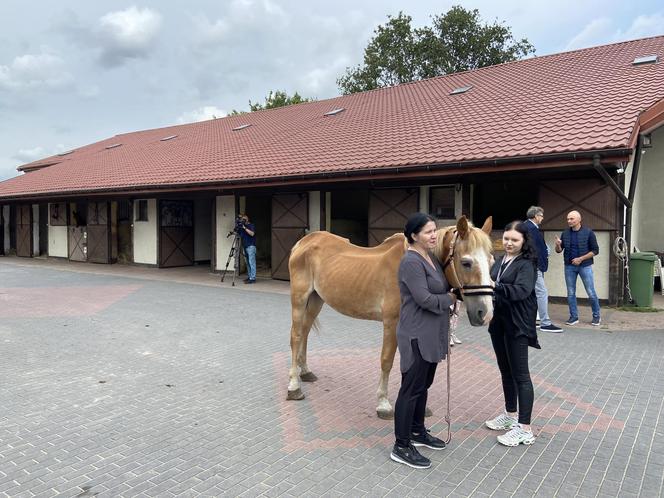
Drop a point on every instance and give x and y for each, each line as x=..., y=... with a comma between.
x=627, y=202
x=632, y=193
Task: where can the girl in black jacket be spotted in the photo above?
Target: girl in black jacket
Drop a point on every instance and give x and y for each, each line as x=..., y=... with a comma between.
x=513, y=330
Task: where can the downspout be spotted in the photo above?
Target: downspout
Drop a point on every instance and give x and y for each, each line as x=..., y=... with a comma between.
x=632, y=192
x=627, y=202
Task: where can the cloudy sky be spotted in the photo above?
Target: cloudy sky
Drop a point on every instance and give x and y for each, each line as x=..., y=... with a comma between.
x=76, y=71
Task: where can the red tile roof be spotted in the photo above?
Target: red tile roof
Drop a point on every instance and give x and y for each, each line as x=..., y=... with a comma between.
x=585, y=100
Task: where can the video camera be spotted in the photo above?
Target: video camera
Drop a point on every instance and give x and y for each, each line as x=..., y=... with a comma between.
x=239, y=225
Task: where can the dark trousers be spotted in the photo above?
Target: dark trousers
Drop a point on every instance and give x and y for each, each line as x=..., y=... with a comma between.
x=512, y=357
x=412, y=399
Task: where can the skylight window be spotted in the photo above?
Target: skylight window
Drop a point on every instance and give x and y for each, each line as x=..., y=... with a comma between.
x=461, y=89
x=334, y=112
x=241, y=127
x=65, y=153
x=113, y=146
x=646, y=59
x=169, y=137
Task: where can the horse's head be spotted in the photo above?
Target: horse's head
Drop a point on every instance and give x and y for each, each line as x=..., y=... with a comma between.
x=466, y=255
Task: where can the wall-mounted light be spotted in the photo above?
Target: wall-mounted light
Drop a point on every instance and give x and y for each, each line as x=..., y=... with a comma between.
x=647, y=141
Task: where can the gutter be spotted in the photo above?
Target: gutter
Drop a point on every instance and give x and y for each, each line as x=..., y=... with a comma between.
x=441, y=169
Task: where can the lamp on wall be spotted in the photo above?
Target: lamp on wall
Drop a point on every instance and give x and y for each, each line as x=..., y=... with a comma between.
x=647, y=141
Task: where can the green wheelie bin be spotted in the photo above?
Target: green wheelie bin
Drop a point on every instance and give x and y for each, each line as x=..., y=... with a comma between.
x=641, y=283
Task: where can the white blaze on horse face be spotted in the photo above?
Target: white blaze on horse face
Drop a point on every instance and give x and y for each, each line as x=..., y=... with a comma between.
x=480, y=308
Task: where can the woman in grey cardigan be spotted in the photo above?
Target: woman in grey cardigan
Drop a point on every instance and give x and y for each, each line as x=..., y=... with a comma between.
x=422, y=336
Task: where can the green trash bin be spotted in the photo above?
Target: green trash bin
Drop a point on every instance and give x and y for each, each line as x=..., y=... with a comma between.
x=641, y=283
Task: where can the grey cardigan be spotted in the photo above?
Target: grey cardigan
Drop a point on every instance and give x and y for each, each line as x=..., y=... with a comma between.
x=425, y=310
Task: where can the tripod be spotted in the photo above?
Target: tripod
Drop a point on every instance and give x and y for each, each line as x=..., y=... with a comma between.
x=234, y=254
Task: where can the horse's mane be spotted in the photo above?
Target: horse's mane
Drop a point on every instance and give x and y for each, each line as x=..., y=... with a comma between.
x=476, y=239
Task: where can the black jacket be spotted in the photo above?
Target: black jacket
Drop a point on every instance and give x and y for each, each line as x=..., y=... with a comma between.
x=538, y=240
x=515, y=310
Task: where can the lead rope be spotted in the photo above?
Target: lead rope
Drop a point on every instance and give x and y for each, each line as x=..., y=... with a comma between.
x=621, y=251
x=454, y=320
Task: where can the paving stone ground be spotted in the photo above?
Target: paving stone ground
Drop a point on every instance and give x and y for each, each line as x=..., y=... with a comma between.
x=118, y=386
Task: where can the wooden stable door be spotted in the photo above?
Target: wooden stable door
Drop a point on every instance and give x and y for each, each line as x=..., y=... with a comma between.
x=24, y=230
x=389, y=210
x=98, y=232
x=176, y=233
x=290, y=220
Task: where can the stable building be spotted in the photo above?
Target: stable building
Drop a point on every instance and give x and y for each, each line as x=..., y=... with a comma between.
x=577, y=130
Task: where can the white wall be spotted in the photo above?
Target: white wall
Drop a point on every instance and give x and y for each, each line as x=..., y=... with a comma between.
x=555, y=276
x=57, y=241
x=647, y=218
x=145, y=235
x=314, y=210
x=225, y=213
x=5, y=215
x=202, y=230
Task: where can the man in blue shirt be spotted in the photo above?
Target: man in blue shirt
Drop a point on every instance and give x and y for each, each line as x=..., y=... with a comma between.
x=580, y=246
x=248, y=235
x=535, y=216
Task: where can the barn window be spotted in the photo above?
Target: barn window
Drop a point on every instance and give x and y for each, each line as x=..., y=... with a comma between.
x=142, y=210
x=441, y=202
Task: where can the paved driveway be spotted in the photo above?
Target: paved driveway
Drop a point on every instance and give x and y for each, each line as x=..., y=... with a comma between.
x=115, y=386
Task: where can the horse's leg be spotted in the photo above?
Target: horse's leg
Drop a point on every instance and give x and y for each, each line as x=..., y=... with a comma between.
x=299, y=299
x=314, y=305
x=384, y=409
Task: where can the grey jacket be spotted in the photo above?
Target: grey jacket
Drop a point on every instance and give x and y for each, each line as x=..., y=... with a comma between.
x=425, y=310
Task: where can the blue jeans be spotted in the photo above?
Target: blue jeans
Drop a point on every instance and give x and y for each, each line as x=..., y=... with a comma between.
x=586, y=274
x=250, y=258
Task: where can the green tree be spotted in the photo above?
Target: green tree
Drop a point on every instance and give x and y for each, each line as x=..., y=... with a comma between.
x=456, y=41
x=274, y=99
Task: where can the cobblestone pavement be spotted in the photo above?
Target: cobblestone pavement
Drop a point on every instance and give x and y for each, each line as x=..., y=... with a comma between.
x=117, y=386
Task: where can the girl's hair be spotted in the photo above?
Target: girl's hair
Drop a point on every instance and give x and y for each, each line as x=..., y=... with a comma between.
x=528, y=250
x=415, y=224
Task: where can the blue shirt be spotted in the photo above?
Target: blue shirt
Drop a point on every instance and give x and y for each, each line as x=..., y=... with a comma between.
x=248, y=240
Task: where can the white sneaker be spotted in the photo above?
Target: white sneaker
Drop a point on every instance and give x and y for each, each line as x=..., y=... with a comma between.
x=454, y=339
x=502, y=422
x=516, y=436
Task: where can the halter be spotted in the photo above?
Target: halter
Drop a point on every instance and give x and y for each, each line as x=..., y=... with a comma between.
x=465, y=290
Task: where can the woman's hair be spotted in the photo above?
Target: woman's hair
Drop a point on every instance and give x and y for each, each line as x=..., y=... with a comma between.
x=528, y=250
x=415, y=224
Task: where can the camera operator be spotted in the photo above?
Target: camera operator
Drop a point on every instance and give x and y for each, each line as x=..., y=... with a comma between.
x=247, y=232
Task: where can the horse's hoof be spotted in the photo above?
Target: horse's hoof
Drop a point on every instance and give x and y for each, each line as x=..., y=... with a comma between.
x=385, y=414
x=428, y=412
x=308, y=377
x=295, y=395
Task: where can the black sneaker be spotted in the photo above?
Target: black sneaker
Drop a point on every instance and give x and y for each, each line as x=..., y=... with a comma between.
x=550, y=328
x=410, y=456
x=427, y=440
x=572, y=321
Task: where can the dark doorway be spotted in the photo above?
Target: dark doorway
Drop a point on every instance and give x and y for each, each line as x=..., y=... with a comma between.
x=349, y=215
x=504, y=200
x=259, y=210
x=43, y=229
x=176, y=233
x=125, y=245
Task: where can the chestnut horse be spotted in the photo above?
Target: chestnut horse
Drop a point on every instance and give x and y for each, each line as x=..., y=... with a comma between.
x=362, y=283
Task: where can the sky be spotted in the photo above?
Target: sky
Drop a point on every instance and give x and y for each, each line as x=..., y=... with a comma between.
x=73, y=72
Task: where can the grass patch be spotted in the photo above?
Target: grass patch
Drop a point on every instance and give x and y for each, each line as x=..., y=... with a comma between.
x=638, y=309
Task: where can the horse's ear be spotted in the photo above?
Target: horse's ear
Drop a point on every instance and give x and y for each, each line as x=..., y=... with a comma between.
x=462, y=227
x=488, y=225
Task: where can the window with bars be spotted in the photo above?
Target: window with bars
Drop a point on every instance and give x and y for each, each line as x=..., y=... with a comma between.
x=441, y=202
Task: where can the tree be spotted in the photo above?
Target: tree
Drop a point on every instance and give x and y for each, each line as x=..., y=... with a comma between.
x=274, y=99
x=456, y=41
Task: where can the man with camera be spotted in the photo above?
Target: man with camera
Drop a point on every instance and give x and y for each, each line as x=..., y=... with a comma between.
x=247, y=232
